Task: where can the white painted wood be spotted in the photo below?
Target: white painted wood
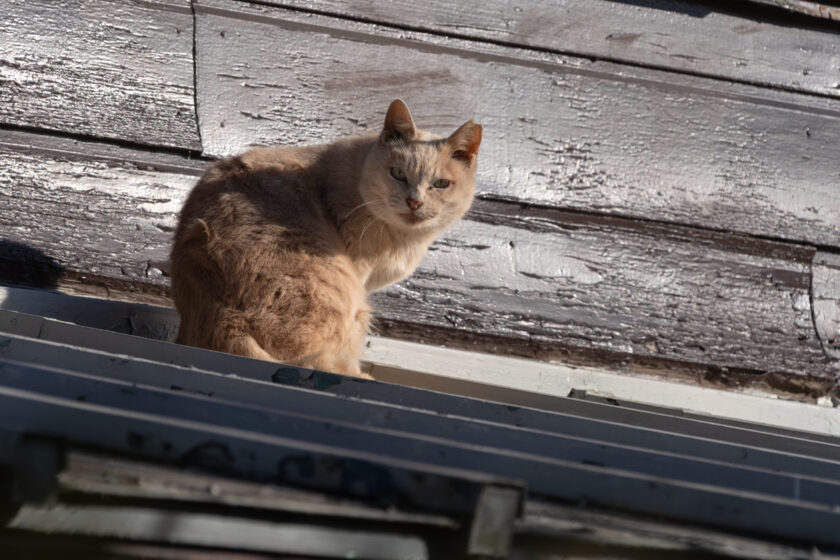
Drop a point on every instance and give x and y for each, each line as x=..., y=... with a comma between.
x=750, y=46
x=559, y=131
x=93, y=215
x=641, y=292
x=825, y=294
x=208, y=530
x=90, y=209
x=113, y=69
x=407, y=358
x=807, y=7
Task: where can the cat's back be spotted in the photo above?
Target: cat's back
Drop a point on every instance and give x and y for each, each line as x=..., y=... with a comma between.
x=251, y=217
x=258, y=267
x=262, y=187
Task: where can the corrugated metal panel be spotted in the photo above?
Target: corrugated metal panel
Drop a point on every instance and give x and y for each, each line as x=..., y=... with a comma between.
x=400, y=455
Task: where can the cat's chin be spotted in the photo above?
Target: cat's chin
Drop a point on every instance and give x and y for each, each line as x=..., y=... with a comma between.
x=412, y=218
x=413, y=221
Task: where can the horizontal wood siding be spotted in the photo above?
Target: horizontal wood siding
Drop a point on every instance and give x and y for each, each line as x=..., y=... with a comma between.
x=91, y=209
x=562, y=133
x=556, y=279
x=644, y=291
x=634, y=203
x=678, y=35
x=825, y=295
x=112, y=69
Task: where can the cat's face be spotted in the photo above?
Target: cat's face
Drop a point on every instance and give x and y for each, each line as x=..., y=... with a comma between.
x=415, y=181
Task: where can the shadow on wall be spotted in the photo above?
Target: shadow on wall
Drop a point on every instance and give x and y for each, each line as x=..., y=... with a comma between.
x=25, y=265
x=697, y=10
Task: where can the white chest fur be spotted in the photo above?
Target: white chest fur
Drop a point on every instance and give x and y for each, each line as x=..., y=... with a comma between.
x=392, y=265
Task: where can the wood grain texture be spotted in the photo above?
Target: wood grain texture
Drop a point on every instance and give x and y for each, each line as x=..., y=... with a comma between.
x=646, y=291
x=555, y=279
x=594, y=137
x=825, y=297
x=115, y=69
x=89, y=208
x=671, y=34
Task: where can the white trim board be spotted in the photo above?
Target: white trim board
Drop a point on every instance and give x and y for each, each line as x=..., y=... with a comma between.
x=395, y=360
x=461, y=372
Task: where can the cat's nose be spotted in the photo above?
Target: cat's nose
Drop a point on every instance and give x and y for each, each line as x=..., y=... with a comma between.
x=413, y=204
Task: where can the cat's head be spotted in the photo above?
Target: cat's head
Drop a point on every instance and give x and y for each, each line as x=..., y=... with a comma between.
x=413, y=180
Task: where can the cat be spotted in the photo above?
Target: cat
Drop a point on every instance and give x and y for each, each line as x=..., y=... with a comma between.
x=277, y=249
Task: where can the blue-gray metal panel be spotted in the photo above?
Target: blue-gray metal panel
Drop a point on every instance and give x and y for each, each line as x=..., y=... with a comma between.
x=179, y=418
x=411, y=422
x=583, y=419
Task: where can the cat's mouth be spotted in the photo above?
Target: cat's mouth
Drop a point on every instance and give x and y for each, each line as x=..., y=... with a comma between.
x=412, y=218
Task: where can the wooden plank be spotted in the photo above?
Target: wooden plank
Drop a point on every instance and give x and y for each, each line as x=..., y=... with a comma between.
x=825, y=294
x=97, y=474
x=602, y=529
x=528, y=383
x=147, y=523
x=588, y=136
x=109, y=212
x=118, y=69
x=553, y=280
x=549, y=279
x=746, y=45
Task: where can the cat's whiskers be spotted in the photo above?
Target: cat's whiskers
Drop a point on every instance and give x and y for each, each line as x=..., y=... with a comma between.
x=344, y=219
x=370, y=222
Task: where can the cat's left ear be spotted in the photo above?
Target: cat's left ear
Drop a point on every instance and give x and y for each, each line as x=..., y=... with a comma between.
x=398, y=123
x=465, y=141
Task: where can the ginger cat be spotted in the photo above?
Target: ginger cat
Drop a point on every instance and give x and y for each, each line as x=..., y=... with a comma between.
x=277, y=249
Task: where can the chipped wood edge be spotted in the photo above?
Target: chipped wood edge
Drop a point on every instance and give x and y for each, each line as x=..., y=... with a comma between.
x=825, y=303
x=446, y=370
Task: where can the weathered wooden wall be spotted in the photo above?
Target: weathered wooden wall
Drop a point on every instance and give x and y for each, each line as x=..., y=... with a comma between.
x=120, y=70
x=658, y=183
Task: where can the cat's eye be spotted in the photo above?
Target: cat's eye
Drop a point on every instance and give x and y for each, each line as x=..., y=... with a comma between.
x=441, y=183
x=398, y=174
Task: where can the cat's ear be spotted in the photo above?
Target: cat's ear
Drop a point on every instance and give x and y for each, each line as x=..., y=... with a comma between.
x=464, y=142
x=398, y=123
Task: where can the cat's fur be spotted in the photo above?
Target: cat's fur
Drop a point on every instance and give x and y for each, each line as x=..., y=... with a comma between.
x=277, y=249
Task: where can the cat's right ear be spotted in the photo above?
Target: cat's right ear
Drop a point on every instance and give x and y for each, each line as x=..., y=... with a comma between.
x=465, y=141
x=399, y=126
